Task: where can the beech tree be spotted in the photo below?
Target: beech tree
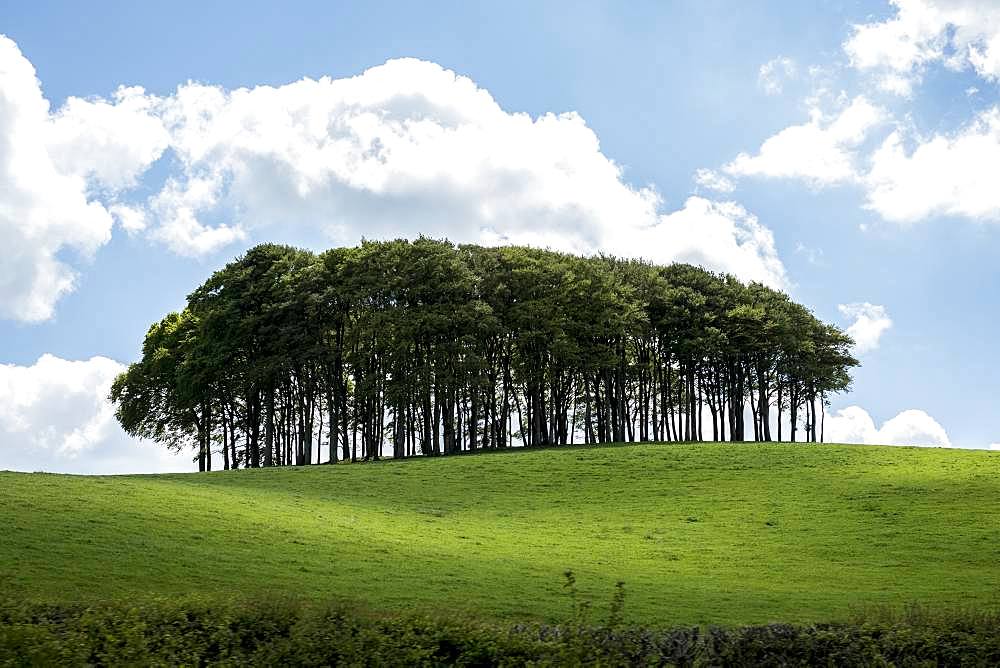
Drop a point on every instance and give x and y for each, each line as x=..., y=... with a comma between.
x=286, y=357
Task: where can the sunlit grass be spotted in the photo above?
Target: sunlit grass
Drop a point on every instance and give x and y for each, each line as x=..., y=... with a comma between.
x=722, y=533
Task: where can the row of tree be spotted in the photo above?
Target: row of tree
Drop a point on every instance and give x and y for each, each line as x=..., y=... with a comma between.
x=423, y=347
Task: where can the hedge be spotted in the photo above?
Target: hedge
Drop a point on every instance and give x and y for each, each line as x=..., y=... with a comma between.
x=201, y=633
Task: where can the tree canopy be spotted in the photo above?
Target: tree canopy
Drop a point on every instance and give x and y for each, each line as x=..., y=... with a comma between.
x=423, y=347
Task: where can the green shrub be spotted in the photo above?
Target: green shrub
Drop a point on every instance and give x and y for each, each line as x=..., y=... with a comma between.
x=195, y=632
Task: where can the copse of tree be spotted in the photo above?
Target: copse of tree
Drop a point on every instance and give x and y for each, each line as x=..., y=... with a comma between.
x=288, y=357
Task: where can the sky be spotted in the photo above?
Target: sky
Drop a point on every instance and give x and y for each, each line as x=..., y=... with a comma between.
x=844, y=151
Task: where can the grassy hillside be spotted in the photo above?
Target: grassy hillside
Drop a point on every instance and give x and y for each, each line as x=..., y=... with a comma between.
x=717, y=533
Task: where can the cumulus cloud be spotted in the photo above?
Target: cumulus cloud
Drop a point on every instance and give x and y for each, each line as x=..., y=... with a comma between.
x=958, y=33
x=405, y=148
x=49, y=166
x=911, y=427
x=132, y=219
x=710, y=179
x=870, y=322
x=55, y=416
x=111, y=143
x=720, y=235
x=947, y=174
x=820, y=152
x=906, y=178
x=410, y=147
x=772, y=74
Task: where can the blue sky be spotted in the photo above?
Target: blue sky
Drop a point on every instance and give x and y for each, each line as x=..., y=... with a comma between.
x=840, y=150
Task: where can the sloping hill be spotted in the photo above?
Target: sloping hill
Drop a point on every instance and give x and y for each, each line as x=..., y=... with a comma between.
x=718, y=533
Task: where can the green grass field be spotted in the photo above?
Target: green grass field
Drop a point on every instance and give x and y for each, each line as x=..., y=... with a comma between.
x=716, y=533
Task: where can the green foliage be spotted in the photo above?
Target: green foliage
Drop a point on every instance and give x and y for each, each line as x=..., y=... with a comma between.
x=617, y=610
x=580, y=607
x=703, y=533
x=268, y=632
x=287, y=357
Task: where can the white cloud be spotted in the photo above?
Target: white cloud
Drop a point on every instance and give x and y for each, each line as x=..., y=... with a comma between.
x=49, y=165
x=948, y=175
x=994, y=446
x=910, y=177
x=870, y=322
x=911, y=427
x=111, y=143
x=176, y=209
x=409, y=147
x=820, y=152
x=55, y=416
x=958, y=33
x=772, y=74
x=713, y=180
x=906, y=178
x=405, y=148
x=812, y=255
x=720, y=235
x=132, y=219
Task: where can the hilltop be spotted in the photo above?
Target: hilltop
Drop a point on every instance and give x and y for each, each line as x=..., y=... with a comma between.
x=721, y=533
